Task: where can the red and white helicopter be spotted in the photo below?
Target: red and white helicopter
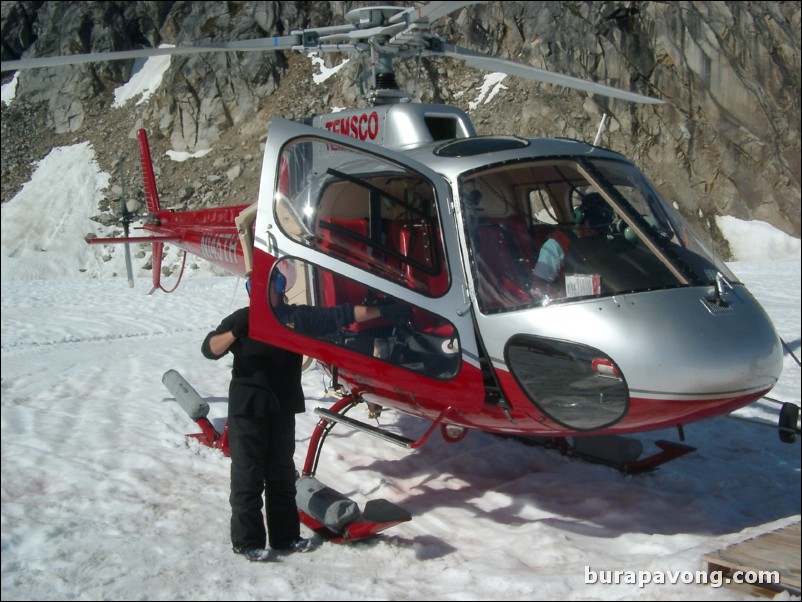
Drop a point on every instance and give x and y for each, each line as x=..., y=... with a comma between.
x=554, y=293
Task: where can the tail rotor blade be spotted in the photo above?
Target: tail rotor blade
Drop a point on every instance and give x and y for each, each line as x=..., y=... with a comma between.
x=129, y=270
x=125, y=218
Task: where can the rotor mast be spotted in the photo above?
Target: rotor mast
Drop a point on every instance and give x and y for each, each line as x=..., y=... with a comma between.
x=374, y=27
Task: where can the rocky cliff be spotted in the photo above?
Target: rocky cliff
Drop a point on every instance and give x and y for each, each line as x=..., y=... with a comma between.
x=726, y=142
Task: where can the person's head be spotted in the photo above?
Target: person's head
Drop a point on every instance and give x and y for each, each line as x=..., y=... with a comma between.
x=593, y=215
x=277, y=288
x=472, y=202
x=473, y=198
x=282, y=279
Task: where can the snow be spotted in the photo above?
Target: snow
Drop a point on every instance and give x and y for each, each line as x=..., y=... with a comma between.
x=144, y=81
x=50, y=215
x=8, y=91
x=756, y=240
x=180, y=157
x=104, y=498
x=487, y=91
x=325, y=72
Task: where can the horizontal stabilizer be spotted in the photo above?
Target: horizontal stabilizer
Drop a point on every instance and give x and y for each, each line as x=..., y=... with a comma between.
x=94, y=240
x=187, y=397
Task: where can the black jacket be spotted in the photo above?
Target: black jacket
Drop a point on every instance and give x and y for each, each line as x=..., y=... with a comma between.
x=264, y=379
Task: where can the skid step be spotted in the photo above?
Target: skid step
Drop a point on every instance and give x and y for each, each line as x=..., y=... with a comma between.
x=394, y=438
x=337, y=518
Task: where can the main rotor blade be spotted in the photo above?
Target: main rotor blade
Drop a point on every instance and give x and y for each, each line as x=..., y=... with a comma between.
x=274, y=43
x=488, y=63
x=433, y=10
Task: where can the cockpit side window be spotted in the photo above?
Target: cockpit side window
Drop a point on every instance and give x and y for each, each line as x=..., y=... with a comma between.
x=369, y=212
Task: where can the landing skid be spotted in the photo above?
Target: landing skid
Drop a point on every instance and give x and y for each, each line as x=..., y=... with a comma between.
x=333, y=516
x=378, y=516
x=328, y=513
x=616, y=452
x=210, y=437
x=197, y=409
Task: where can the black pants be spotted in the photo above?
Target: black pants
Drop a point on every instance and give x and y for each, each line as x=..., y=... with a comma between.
x=262, y=461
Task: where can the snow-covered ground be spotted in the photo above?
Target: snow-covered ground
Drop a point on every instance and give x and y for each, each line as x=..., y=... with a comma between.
x=103, y=498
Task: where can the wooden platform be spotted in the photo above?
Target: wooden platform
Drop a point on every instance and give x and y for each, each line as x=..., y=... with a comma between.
x=774, y=551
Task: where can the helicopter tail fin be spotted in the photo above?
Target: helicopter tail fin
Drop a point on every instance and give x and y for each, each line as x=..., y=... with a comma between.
x=151, y=194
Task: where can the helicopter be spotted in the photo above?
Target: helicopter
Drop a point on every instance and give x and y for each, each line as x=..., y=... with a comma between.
x=554, y=294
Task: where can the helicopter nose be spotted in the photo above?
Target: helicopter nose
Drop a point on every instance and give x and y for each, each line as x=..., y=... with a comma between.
x=643, y=361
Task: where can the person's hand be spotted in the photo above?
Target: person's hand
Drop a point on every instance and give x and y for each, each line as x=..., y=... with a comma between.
x=241, y=321
x=399, y=313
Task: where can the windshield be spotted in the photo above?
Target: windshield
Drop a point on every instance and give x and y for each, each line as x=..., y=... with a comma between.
x=555, y=230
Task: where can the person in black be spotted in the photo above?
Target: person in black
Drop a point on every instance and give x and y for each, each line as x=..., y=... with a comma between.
x=265, y=393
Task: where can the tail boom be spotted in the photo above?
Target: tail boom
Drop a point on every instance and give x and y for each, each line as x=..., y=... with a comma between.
x=212, y=234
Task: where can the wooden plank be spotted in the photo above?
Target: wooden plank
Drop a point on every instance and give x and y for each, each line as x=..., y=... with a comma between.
x=777, y=550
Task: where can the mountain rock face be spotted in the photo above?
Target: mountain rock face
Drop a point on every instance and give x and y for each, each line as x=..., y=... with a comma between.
x=726, y=141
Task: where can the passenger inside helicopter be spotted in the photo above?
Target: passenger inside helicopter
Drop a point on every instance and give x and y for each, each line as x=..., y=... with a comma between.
x=592, y=217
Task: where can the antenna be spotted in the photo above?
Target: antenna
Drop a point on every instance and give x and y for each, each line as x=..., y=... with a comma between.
x=600, y=130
